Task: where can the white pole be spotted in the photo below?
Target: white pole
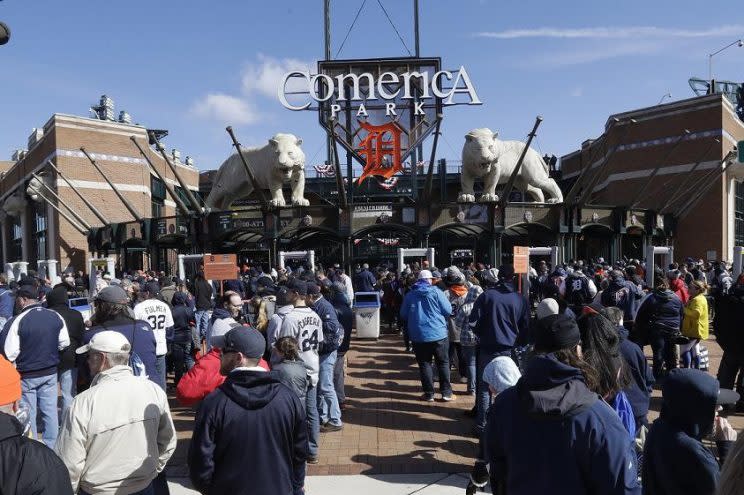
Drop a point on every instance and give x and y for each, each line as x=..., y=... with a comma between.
x=738, y=251
x=181, y=267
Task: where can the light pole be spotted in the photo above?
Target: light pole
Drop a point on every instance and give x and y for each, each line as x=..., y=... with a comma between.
x=738, y=43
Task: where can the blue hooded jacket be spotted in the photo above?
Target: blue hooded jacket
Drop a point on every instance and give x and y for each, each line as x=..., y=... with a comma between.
x=675, y=460
x=500, y=318
x=551, y=434
x=642, y=380
x=425, y=309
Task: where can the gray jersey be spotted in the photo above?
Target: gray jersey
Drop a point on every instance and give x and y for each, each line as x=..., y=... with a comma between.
x=305, y=325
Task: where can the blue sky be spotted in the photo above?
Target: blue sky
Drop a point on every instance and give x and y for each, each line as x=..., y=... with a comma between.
x=193, y=67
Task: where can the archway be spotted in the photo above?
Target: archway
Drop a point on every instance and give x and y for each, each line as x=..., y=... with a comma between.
x=379, y=243
x=595, y=241
x=526, y=234
x=326, y=243
x=633, y=242
x=458, y=243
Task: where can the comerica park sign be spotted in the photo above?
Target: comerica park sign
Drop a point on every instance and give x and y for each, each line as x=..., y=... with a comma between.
x=367, y=86
x=379, y=110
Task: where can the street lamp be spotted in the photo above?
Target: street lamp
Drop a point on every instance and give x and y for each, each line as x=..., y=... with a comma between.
x=738, y=43
x=668, y=95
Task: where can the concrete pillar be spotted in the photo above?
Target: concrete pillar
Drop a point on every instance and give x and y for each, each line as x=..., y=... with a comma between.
x=51, y=234
x=25, y=248
x=52, y=271
x=9, y=271
x=4, y=239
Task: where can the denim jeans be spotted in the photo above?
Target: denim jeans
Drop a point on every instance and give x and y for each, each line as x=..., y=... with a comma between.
x=181, y=359
x=202, y=322
x=438, y=350
x=68, y=386
x=663, y=354
x=39, y=394
x=483, y=394
x=339, y=377
x=468, y=356
x=160, y=371
x=313, y=420
x=330, y=412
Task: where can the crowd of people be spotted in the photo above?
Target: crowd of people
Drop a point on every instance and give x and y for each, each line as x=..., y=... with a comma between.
x=559, y=375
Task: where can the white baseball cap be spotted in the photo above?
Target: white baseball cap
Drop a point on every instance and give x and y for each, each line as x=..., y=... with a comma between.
x=107, y=341
x=425, y=274
x=219, y=328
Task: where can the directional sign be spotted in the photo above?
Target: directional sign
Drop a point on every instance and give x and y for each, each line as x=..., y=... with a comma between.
x=521, y=259
x=220, y=266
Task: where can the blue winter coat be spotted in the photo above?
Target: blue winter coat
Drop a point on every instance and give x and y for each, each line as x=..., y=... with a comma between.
x=333, y=332
x=642, y=380
x=675, y=460
x=425, y=308
x=551, y=434
x=500, y=318
x=345, y=318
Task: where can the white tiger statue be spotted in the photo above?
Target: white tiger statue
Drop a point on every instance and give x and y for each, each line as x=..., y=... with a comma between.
x=15, y=204
x=486, y=157
x=280, y=161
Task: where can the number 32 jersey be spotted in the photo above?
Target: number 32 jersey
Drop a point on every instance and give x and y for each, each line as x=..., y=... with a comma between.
x=305, y=325
x=160, y=318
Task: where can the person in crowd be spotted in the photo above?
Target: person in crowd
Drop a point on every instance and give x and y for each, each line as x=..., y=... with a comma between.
x=677, y=285
x=118, y=435
x=727, y=322
x=600, y=349
x=346, y=320
x=390, y=300
x=284, y=306
x=642, y=380
x=31, y=340
x=168, y=290
x=425, y=308
x=231, y=306
x=500, y=374
x=251, y=408
x=158, y=314
x=333, y=334
x=235, y=285
x=623, y=294
x=365, y=280
x=348, y=284
x=500, y=318
x=292, y=369
x=675, y=460
x=112, y=312
x=73, y=290
x=7, y=301
x=456, y=293
x=202, y=291
x=694, y=324
x=306, y=327
x=468, y=339
x=732, y=476
x=266, y=307
x=552, y=419
x=57, y=301
x=577, y=289
x=181, y=338
x=658, y=321
x=205, y=375
x=27, y=466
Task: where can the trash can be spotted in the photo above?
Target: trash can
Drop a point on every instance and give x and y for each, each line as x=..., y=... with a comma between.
x=367, y=315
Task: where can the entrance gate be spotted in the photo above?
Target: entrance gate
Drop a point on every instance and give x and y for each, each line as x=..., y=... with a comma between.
x=410, y=252
x=552, y=251
x=295, y=255
x=667, y=252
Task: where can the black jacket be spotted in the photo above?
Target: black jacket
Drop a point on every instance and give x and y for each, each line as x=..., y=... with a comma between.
x=642, y=380
x=729, y=315
x=183, y=316
x=28, y=466
x=345, y=318
x=250, y=437
x=203, y=294
x=675, y=459
x=57, y=301
x=660, y=311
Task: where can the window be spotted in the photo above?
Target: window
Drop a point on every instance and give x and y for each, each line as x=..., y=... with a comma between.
x=739, y=214
x=40, y=231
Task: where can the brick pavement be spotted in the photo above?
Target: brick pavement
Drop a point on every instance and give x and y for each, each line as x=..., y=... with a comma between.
x=387, y=429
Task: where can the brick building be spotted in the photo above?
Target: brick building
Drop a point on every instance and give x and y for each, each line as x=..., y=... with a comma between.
x=667, y=159
x=34, y=230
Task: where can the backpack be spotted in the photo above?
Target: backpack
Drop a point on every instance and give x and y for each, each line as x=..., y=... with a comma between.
x=577, y=290
x=621, y=405
x=135, y=362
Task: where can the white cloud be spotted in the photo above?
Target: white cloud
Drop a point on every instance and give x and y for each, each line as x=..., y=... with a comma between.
x=265, y=76
x=595, y=53
x=630, y=32
x=225, y=108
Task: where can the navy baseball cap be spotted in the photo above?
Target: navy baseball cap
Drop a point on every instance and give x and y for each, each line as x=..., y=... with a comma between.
x=245, y=340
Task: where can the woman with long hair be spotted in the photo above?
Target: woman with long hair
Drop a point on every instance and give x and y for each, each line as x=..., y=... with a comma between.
x=694, y=324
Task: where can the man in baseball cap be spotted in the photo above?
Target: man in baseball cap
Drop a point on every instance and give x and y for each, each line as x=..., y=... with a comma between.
x=250, y=408
x=25, y=463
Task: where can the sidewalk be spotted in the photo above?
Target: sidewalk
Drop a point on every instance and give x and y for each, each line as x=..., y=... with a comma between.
x=379, y=484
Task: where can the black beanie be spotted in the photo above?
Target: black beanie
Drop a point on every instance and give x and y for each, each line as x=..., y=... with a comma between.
x=555, y=333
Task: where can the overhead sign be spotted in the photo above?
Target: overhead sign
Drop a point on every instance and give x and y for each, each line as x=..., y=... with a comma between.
x=379, y=110
x=521, y=259
x=220, y=266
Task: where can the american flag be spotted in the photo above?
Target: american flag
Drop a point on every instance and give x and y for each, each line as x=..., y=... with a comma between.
x=325, y=170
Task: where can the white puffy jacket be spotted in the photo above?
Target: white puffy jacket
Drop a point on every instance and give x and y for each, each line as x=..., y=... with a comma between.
x=117, y=435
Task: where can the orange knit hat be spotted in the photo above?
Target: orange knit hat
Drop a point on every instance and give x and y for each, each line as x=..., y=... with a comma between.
x=10, y=383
